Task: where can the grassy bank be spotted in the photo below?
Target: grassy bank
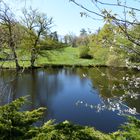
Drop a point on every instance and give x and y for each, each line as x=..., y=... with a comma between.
x=61, y=57
x=67, y=56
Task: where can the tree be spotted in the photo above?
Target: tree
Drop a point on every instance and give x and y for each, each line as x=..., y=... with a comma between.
x=83, y=32
x=2, y=40
x=70, y=39
x=37, y=26
x=106, y=35
x=9, y=30
x=126, y=18
x=83, y=39
x=54, y=36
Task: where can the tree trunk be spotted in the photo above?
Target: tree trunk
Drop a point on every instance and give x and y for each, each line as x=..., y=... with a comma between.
x=33, y=57
x=16, y=60
x=12, y=46
x=33, y=51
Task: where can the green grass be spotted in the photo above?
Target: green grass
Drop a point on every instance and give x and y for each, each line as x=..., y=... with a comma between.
x=65, y=56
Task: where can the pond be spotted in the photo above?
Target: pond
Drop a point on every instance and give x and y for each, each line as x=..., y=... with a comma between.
x=87, y=96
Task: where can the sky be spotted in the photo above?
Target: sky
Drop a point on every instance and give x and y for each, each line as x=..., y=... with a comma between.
x=66, y=15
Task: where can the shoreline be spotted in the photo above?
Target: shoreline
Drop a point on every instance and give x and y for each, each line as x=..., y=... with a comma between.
x=67, y=65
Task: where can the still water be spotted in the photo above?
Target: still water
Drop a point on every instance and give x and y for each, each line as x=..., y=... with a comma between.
x=88, y=96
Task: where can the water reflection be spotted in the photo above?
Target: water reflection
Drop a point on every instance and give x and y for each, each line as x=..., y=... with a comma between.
x=87, y=96
x=119, y=90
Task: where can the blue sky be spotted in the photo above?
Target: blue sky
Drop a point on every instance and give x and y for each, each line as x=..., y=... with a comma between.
x=66, y=15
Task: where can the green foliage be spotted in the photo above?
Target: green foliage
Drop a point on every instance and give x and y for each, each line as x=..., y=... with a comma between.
x=131, y=130
x=50, y=44
x=106, y=35
x=116, y=57
x=114, y=61
x=17, y=125
x=69, y=131
x=84, y=52
x=93, y=49
x=100, y=53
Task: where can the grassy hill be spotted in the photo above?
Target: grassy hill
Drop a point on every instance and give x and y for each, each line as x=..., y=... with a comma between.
x=65, y=56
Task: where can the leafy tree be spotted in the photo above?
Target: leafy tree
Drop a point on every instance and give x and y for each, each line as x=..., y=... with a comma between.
x=101, y=42
x=83, y=32
x=125, y=19
x=70, y=39
x=54, y=36
x=106, y=35
x=83, y=38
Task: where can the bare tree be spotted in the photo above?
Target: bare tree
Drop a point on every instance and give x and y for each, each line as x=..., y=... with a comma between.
x=8, y=27
x=37, y=25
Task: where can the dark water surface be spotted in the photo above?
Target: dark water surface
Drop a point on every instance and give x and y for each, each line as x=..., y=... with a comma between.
x=88, y=96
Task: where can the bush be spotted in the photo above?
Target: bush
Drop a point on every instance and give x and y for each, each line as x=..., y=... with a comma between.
x=69, y=131
x=51, y=44
x=115, y=61
x=84, y=52
x=131, y=130
x=100, y=54
x=17, y=125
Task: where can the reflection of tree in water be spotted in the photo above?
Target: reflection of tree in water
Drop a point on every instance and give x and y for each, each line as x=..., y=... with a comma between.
x=4, y=88
x=7, y=79
x=41, y=85
x=112, y=104
x=118, y=89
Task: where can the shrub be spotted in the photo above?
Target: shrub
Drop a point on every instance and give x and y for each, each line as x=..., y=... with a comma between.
x=100, y=54
x=84, y=52
x=69, y=131
x=131, y=130
x=17, y=125
x=115, y=61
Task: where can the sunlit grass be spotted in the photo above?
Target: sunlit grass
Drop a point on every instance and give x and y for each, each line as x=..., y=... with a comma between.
x=65, y=56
